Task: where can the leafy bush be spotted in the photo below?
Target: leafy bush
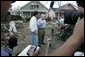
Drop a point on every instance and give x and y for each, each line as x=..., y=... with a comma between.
x=16, y=17
x=55, y=18
x=27, y=18
x=48, y=19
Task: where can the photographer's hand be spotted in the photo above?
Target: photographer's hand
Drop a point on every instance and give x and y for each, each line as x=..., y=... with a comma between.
x=34, y=53
x=79, y=30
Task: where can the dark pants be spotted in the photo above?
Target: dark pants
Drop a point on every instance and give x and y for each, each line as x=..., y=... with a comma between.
x=41, y=34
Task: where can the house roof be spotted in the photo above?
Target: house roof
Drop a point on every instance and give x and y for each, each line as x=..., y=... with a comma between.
x=54, y=9
x=33, y=4
x=64, y=7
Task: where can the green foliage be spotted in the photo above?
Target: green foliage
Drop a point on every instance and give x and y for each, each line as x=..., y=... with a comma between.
x=55, y=18
x=48, y=19
x=16, y=17
x=27, y=18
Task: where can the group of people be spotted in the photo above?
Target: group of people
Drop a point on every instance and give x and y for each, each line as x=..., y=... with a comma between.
x=37, y=28
x=71, y=44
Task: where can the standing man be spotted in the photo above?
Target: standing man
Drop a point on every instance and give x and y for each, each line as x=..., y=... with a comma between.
x=62, y=25
x=34, y=29
x=41, y=23
x=12, y=26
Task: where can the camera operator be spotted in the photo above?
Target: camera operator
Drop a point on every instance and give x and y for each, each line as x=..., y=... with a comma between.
x=76, y=39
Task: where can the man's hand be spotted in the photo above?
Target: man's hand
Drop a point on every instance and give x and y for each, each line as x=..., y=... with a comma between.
x=79, y=30
x=34, y=53
x=36, y=32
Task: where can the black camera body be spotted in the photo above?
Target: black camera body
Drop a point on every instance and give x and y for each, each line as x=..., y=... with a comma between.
x=71, y=16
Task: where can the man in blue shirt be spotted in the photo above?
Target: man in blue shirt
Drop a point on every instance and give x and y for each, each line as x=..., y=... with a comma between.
x=41, y=23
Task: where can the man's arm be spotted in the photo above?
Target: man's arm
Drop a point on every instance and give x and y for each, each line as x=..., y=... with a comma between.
x=74, y=41
x=68, y=48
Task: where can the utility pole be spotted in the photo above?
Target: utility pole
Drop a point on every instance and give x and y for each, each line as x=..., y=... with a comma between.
x=59, y=4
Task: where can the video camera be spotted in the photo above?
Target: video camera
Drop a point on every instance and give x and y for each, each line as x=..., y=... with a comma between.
x=71, y=16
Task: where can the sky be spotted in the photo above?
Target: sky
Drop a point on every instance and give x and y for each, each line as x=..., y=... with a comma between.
x=45, y=3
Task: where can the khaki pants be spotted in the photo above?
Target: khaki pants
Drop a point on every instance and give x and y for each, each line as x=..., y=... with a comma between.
x=41, y=34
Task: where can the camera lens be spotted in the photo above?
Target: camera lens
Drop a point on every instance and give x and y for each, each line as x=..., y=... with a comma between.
x=70, y=16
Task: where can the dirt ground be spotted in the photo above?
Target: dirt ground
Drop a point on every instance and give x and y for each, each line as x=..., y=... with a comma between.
x=24, y=40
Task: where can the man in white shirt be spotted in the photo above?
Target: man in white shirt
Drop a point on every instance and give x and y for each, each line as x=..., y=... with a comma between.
x=62, y=25
x=34, y=29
